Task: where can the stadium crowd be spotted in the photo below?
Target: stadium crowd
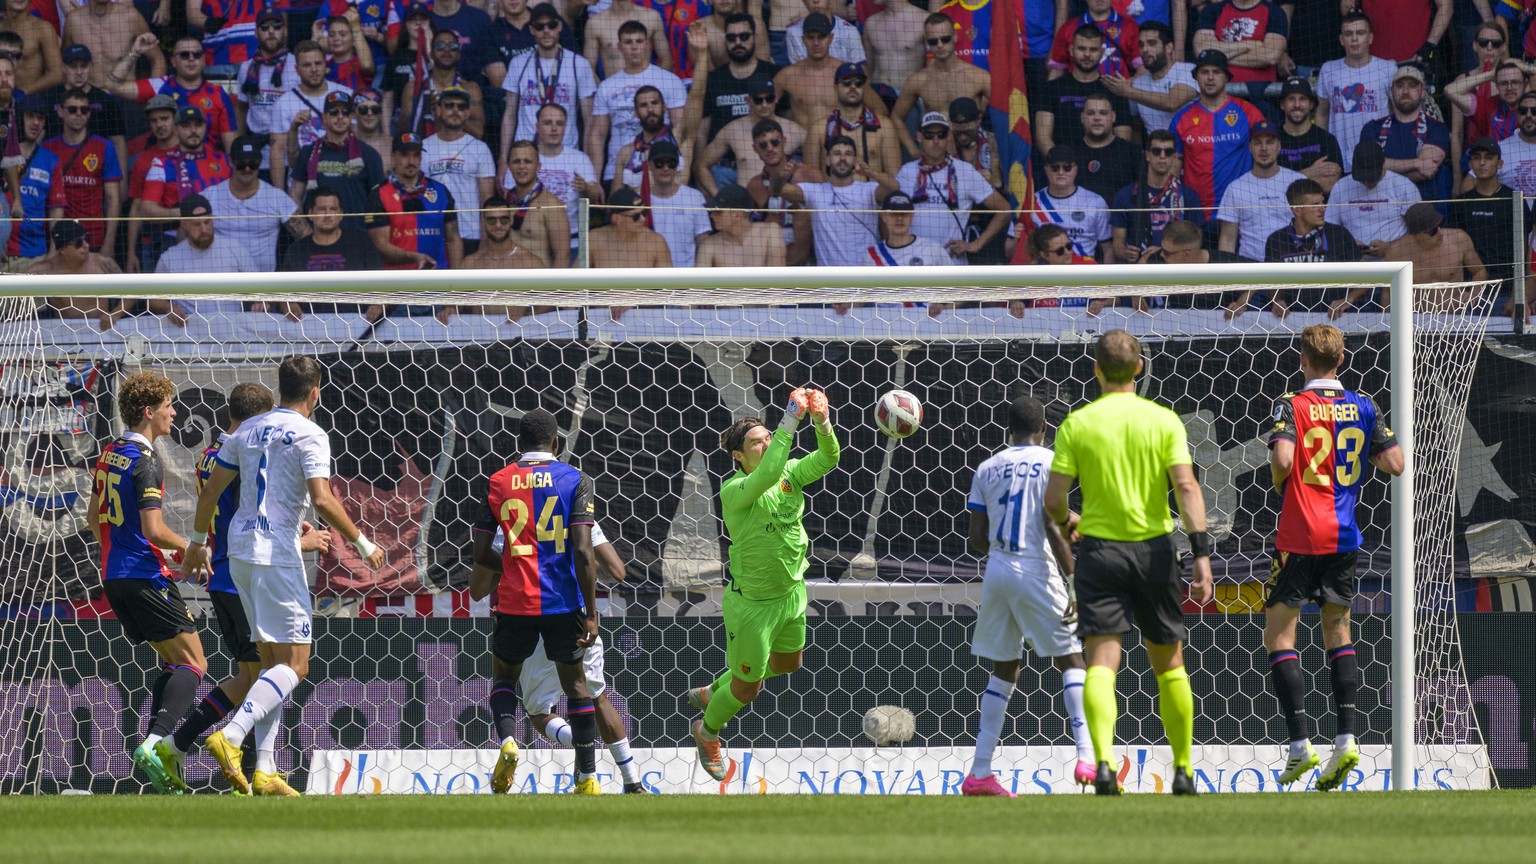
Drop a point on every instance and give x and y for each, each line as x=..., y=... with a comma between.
x=228, y=136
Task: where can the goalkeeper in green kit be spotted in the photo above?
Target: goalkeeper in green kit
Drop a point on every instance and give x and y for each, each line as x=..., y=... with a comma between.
x=764, y=604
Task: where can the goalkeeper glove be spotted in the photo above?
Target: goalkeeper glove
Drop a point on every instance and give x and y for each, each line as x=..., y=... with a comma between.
x=799, y=405
x=820, y=411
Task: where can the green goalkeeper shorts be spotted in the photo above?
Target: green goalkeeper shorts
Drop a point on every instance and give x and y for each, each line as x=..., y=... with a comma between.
x=756, y=628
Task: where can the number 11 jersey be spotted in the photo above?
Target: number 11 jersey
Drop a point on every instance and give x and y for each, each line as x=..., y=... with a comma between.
x=1336, y=432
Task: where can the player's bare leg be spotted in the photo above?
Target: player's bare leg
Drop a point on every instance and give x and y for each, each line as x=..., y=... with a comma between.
x=1290, y=691
x=504, y=678
x=181, y=671
x=610, y=728
x=1345, y=672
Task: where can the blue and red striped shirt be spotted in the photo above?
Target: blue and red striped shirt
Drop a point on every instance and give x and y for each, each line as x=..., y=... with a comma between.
x=128, y=479
x=534, y=501
x=1336, y=432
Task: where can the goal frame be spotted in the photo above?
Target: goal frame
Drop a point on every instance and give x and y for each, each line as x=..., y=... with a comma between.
x=596, y=283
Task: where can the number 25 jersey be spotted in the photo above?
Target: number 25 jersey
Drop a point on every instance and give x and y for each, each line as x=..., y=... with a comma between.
x=1336, y=431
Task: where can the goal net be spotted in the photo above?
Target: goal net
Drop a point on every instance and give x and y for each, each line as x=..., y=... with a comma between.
x=644, y=370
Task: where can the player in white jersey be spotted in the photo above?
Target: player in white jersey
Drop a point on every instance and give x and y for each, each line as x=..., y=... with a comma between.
x=284, y=460
x=540, y=681
x=1026, y=592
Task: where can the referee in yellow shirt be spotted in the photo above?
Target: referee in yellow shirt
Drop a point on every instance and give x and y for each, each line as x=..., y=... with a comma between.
x=1125, y=452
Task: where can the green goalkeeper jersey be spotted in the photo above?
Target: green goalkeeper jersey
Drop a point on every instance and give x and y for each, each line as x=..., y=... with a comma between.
x=763, y=513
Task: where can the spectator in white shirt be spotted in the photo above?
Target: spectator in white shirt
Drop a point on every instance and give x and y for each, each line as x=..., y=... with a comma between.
x=567, y=173
x=944, y=190
x=677, y=212
x=847, y=45
x=1371, y=201
x=460, y=161
x=547, y=73
x=1354, y=90
x=298, y=115
x=262, y=208
x=842, y=210
x=1084, y=215
x=264, y=78
x=203, y=251
x=1254, y=206
x=614, y=122
x=1162, y=86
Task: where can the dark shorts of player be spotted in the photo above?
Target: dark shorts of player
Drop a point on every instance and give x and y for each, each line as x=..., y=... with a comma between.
x=148, y=612
x=234, y=627
x=517, y=635
x=1296, y=579
x=1120, y=583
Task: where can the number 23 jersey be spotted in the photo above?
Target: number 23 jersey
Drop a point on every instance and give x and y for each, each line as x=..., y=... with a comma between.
x=1336, y=432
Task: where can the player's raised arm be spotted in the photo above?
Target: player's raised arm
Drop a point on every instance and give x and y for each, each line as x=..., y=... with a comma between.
x=828, y=450
x=771, y=452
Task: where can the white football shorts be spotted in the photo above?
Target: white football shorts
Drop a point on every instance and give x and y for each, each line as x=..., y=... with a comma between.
x=1022, y=599
x=276, y=601
x=540, y=683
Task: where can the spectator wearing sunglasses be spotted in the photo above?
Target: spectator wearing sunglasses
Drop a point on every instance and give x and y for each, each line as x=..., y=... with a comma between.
x=1142, y=210
x=185, y=84
x=677, y=211
x=412, y=218
x=106, y=115
x=88, y=172
x=944, y=190
x=548, y=73
x=1059, y=109
x=370, y=110
x=73, y=257
x=626, y=241
x=615, y=121
x=418, y=101
x=459, y=161
x=738, y=88
x=340, y=161
x=1084, y=215
x=1518, y=150
x=264, y=78
x=262, y=207
x=943, y=81
x=1049, y=245
x=877, y=141
x=300, y=114
x=809, y=85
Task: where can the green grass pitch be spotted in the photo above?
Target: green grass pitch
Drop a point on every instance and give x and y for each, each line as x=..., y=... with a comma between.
x=1380, y=828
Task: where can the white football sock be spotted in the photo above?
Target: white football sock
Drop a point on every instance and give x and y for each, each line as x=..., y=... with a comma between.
x=558, y=731
x=266, y=741
x=266, y=695
x=1072, y=695
x=994, y=707
x=620, y=751
x=1342, y=741
x=1298, y=749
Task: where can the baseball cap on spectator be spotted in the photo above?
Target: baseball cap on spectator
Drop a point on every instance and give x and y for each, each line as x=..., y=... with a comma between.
x=190, y=114
x=1262, y=128
x=732, y=197
x=1212, y=57
x=1370, y=162
x=160, y=102
x=1485, y=145
x=1421, y=218
x=763, y=87
x=269, y=13
x=964, y=110
x=453, y=91
x=850, y=70
x=33, y=103
x=195, y=205
x=1408, y=70
x=817, y=22
x=67, y=232
x=406, y=142
x=245, y=150
x=933, y=118
x=1297, y=84
x=624, y=199
x=1061, y=154
x=663, y=150
x=544, y=12
x=76, y=53
x=412, y=8
x=338, y=97
x=899, y=202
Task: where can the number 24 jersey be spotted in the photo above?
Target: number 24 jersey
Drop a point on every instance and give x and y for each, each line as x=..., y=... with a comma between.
x=1336, y=432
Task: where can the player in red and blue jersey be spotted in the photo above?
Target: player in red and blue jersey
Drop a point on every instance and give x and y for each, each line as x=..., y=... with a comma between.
x=547, y=588
x=1213, y=132
x=1320, y=439
x=245, y=401
x=128, y=488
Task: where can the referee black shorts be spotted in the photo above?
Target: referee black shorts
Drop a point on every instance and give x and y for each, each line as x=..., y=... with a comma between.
x=1295, y=579
x=149, y=610
x=234, y=627
x=1121, y=583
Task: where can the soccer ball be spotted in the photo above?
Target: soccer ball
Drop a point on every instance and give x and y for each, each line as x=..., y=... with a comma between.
x=898, y=413
x=889, y=724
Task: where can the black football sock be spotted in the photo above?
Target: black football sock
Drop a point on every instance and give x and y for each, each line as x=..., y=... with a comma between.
x=1346, y=683
x=1285, y=675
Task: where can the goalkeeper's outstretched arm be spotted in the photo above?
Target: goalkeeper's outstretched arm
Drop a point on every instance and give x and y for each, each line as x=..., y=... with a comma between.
x=741, y=496
x=828, y=450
